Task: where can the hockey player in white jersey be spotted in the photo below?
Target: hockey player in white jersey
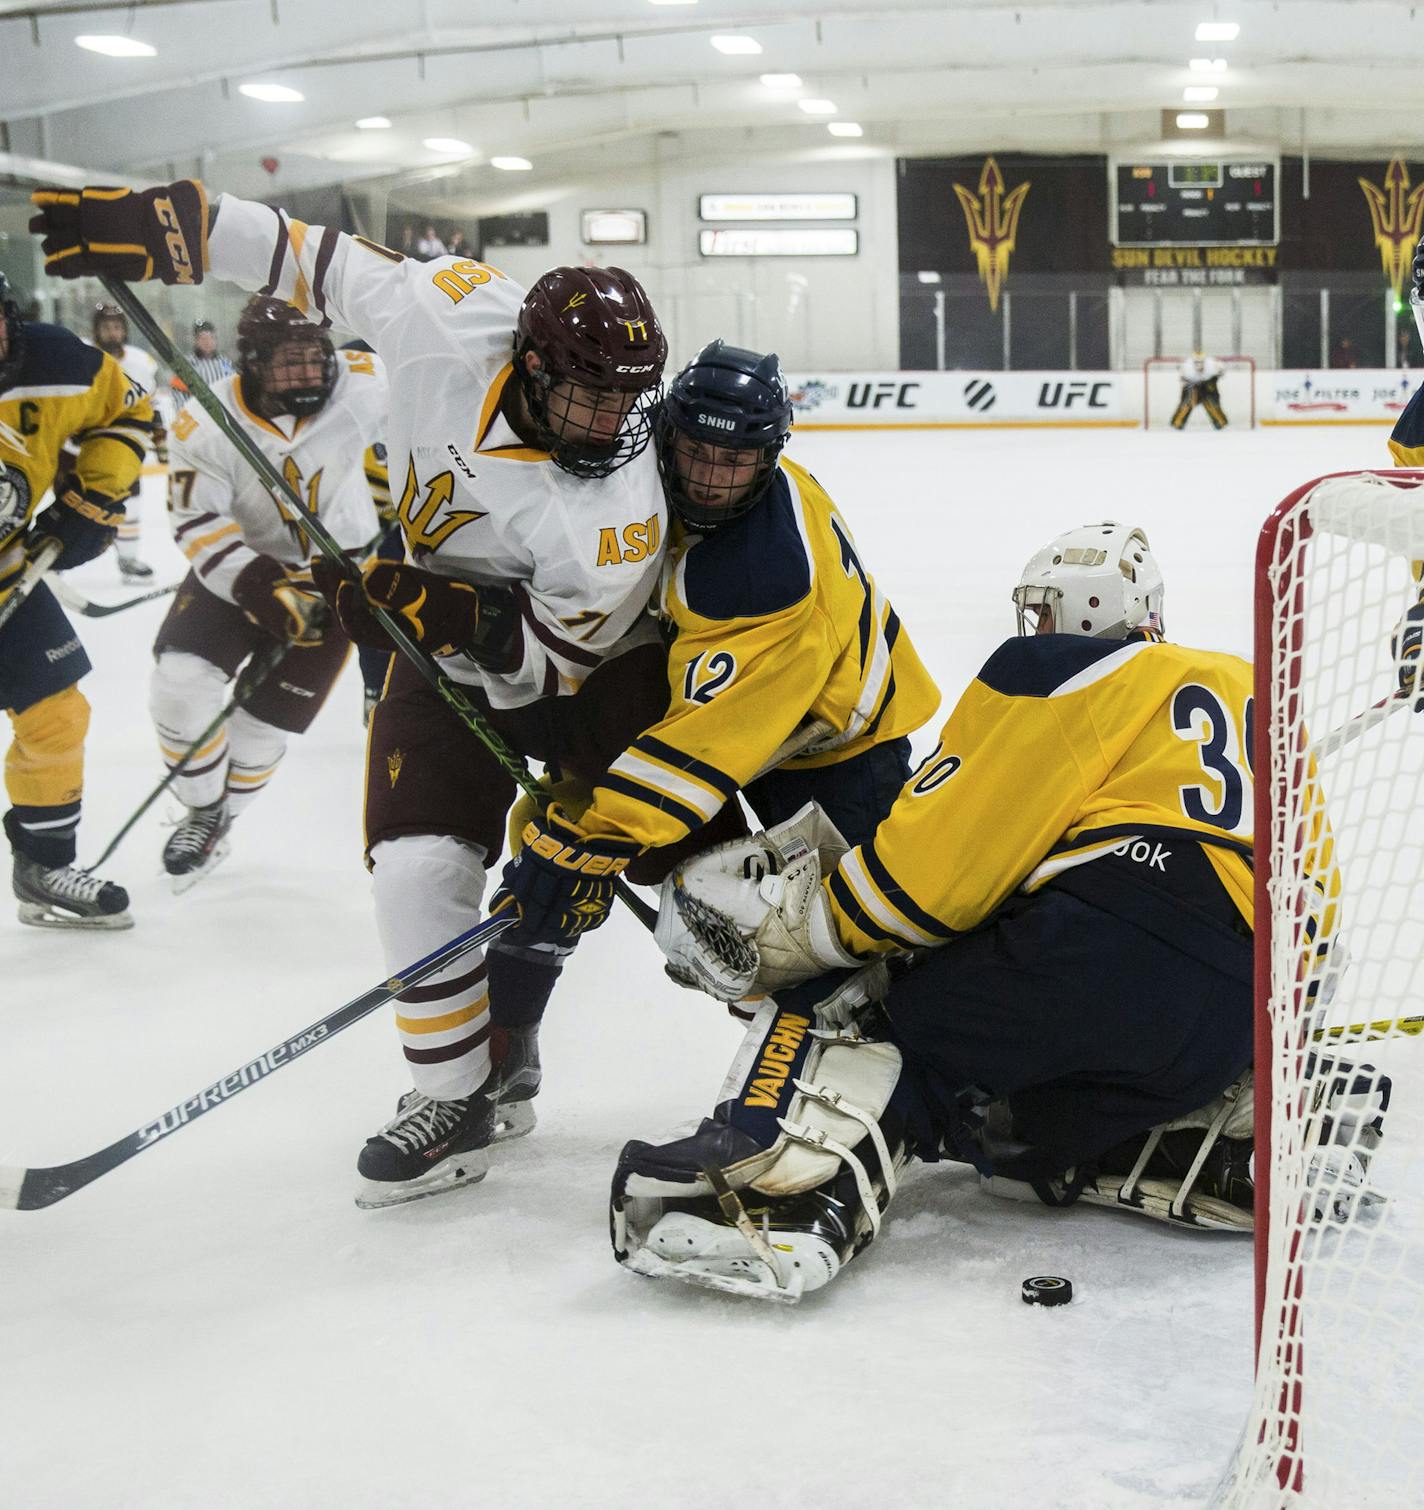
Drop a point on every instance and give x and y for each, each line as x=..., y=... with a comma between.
x=111, y=334
x=534, y=524
x=1200, y=377
x=317, y=415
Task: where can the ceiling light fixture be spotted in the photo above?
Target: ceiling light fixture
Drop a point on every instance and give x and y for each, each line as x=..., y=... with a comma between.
x=511, y=164
x=737, y=46
x=1200, y=94
x=272, y=94
x=449, y=145
x=672, y=2
x=845, y=128
x=373, y=123
x=781, y=80
x=1218, y=31
x=817, y=107
x=117, y=47
x=1193, y=120
x=1207, y=65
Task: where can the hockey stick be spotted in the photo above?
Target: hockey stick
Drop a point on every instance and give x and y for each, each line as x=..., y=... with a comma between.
x=251, y=677
x=1361, y=723
x=1371, y=1032
x=24, y=1189
x=30, y=578
x=283, y=492
x=76, y=602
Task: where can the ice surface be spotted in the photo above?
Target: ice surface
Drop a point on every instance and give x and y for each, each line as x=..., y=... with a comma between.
x=216, y=1325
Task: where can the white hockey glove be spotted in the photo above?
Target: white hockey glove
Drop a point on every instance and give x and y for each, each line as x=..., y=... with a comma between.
x=750, y=915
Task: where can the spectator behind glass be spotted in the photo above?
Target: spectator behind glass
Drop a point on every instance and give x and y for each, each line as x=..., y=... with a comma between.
x=429, y=245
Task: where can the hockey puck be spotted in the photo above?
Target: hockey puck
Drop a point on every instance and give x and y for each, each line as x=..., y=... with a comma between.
x=1046, y=1290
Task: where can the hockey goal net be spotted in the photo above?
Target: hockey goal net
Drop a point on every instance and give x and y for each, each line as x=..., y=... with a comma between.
x=1162, y=390
x=1339, y=1063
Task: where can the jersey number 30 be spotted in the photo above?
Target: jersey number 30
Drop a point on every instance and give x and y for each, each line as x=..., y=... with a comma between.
x=1225, y=754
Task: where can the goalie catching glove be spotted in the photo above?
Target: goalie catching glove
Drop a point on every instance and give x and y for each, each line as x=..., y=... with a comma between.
x=1406, y=643
x=561, y=883
x=286, y=609
x=751, y=915
x=441, y=615
x=129, y=234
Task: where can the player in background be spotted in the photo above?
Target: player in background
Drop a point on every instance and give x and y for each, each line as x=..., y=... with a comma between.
x=53, y=386
x=1200, y=378
x=790, y=677
x=111, y=334
x=1072, y=863
x=317, y=415
x=518, y=451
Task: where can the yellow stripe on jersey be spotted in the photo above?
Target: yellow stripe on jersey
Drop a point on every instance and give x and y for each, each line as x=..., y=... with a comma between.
x=777, y=624
x=1061, y=749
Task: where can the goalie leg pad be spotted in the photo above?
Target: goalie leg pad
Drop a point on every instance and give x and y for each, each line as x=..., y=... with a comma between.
x=784, y=1184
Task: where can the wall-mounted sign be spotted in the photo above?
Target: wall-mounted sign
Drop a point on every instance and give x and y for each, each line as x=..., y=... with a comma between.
x=614, y=227
x=776, y=206
x=1194, y=204
x=807, y=242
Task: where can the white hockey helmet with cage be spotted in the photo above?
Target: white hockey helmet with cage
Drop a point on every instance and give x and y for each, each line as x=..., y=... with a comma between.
x=1100, y=580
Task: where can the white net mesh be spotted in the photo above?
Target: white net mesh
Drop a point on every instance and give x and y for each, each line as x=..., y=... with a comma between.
x=1340, y=839
x=1162, y=390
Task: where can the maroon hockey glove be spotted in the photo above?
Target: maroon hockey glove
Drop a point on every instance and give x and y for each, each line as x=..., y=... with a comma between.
x=84, y=523
x=562, y=883
x=443, y=615
x=130, y=234
x=287, y=610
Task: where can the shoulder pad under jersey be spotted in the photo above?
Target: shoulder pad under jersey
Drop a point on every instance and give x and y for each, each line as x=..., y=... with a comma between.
x=1038, y=665
x=57, y=358
x=755, y=567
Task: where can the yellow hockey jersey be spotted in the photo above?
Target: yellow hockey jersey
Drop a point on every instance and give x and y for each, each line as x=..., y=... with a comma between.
x=65, y=388
x=1406, y=440
x=1063, y=749
x=776, y=623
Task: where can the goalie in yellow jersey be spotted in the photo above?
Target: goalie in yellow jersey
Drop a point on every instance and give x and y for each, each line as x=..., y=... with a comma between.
x=1068, y=878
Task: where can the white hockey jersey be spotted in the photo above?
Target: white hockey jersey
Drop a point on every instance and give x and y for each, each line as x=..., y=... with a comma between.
x=223, y=517
x=474, y=501
x=140, y=368
x=1196, y=370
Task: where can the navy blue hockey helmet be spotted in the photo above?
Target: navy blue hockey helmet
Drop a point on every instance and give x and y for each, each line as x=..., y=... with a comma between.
x=13, y=356
x=722, y=426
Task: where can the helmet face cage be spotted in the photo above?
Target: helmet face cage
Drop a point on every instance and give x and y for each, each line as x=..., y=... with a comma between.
x=105, y=314
x=724, y=423
x=593, y=392
x=277, y=354
x=13, y=357
x=1099, y=580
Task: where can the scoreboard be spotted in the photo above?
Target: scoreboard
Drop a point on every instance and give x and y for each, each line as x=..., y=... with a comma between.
x=1194, y=203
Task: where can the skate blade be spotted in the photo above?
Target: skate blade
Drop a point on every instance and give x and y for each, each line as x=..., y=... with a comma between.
x=37, y=915
x=513, y=1119
x=450, y=1174
x=189, y=879
x=751, y=1279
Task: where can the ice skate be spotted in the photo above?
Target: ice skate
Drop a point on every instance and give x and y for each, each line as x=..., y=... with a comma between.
x=427, y=1148
x=64, y=896
x=197, y=845
x=515, y=1052
x=135, y=570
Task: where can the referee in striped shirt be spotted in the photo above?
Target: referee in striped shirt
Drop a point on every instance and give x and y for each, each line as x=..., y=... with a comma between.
x=212, y=365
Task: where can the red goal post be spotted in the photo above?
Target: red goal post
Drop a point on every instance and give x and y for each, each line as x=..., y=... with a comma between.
x=1162, y=388
x=1339, y=940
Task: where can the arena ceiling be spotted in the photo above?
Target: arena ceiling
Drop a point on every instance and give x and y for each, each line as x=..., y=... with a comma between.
x=552, y=79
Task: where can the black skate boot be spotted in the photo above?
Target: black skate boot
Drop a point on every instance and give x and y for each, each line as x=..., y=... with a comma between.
x=197, y=844
x=515, y=1055
x=132, y=569
x=428, y=1147
x=63, y=896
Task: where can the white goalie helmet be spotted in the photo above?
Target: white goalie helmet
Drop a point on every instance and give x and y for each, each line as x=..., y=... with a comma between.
x=1100, y=580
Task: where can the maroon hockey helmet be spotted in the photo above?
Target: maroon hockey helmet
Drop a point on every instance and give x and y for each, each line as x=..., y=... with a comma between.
x=593, y=327
x=272, y=340
x=109, y=315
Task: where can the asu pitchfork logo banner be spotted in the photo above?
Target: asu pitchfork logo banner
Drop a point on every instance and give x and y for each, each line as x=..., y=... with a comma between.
x=1397, y=218
x=993, y=220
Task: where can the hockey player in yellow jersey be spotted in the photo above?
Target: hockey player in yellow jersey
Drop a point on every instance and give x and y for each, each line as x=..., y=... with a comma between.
x=790, y=677
x=1071, y=867
x=52, y=387
x=1406, y=446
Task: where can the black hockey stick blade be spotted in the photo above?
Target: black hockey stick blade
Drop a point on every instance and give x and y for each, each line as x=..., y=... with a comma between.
x=30, y=1189
x=76, y=602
